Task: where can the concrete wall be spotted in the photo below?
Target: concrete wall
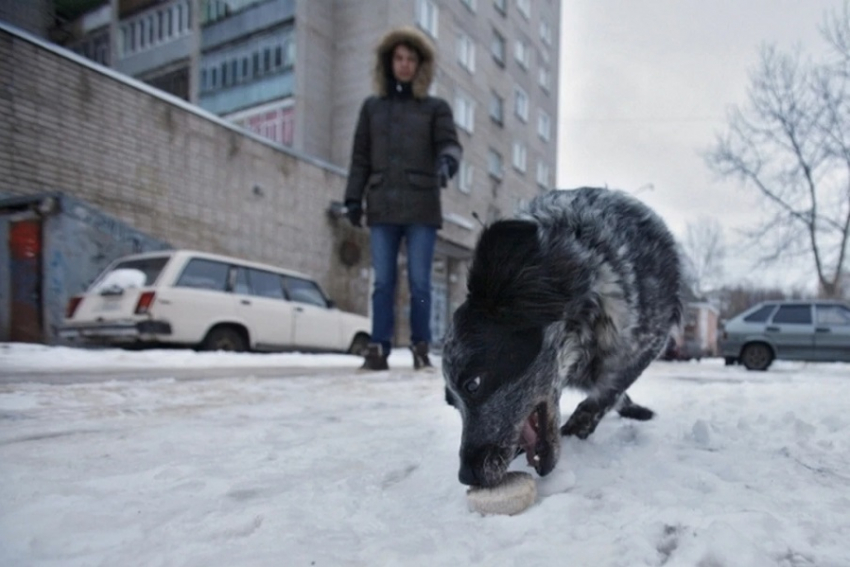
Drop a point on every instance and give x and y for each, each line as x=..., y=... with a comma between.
x=166, y=168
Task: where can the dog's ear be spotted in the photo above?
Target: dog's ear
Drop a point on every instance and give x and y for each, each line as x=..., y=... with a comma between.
x=509, y=281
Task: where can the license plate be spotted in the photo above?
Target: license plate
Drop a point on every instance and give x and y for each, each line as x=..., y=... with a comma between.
x=110, y=305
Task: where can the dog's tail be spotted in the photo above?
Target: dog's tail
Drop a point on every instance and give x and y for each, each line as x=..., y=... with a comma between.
x=633, y=411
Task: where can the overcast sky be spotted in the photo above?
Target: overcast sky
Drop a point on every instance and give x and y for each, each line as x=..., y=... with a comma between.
x=646, y=85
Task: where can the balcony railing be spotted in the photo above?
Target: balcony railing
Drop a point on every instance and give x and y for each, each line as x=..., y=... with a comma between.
x=155, y=27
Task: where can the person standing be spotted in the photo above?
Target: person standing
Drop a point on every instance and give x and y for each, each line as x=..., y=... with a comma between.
x=405, y=150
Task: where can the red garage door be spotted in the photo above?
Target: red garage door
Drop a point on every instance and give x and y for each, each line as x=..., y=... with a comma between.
x=25, y=279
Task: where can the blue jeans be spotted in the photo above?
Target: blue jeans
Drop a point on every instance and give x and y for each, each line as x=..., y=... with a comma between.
x=385, y=240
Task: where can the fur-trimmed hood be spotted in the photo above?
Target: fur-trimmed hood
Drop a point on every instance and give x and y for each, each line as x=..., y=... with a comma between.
x=383, y=60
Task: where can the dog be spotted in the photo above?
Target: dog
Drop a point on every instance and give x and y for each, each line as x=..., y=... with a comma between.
x=581, y=289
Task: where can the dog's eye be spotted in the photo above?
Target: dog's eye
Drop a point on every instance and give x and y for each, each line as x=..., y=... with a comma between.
x=473, y=385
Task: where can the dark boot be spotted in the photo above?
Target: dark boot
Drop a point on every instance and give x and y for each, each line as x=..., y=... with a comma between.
x=375, y=358
x=420, y=356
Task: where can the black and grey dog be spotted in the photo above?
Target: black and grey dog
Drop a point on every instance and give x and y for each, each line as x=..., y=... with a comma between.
x=580, y=290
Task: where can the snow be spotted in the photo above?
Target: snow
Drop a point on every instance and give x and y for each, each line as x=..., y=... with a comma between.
x=337, y=468
x=122, y=278
x=23, y=357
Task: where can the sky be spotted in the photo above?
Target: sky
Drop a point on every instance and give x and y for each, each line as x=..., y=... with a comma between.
x=335, y=468
x=646, y=87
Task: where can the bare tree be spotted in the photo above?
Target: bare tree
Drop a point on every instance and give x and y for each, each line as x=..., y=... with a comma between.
x=705, y=253
x=792, y=143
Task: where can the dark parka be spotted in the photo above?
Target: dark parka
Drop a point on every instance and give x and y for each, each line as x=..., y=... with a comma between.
x=398, y=140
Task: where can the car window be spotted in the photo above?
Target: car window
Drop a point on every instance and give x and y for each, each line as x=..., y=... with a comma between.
x=150, y=267
x=794, y=314
x=304, y=291
x=266, y=284
x=833, y=315
x=760, y=315
x=204, y=274
x=241, y=284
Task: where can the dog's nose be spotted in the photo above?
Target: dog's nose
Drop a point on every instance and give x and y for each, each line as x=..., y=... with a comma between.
x=467, y=475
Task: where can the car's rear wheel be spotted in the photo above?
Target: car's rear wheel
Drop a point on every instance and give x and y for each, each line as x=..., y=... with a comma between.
x=359, y=344
x=757, y=356
x=225, y=338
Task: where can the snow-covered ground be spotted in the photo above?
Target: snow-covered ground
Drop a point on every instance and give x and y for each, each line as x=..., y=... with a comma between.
x=738, y=469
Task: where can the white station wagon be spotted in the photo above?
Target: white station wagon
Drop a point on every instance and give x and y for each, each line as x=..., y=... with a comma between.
x=212, y=302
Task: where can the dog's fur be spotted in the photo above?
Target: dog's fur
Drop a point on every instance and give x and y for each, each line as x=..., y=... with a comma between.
x=580, y=290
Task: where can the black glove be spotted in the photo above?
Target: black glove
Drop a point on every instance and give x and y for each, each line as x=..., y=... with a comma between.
x=446, y=169
x=354, y=212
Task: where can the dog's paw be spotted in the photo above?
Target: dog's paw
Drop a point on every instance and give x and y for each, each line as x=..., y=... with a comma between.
x=582, y=423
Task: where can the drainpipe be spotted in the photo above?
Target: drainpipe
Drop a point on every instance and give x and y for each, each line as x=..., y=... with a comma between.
x=114, y=34
x=195, y=51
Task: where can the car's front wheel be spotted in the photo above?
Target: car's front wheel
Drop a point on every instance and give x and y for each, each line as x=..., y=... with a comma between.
x=757, y=356
x=225, y=338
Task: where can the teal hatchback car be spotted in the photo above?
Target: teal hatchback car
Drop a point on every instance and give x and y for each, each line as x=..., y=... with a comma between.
x=816, y=330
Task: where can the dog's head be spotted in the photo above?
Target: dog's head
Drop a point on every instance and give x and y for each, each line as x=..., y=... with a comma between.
x=499, y=360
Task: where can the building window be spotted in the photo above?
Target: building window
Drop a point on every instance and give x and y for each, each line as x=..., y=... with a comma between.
x=543, y=175
x=214, y=10
x=519, y=157
x=497, y=108
x=175, y=82
x=96, y=47
x=276, y=124
x=154, y=27
x=524, y=8
x=427, y=15
x=466, y=52
x=521, y=104
x=151, y=30
x=522, y=54
x=544, y=78
x=495, y=164
x=544, y=125
x=470, y=4
x=465, y=177
x=267, y=55
x=501, y=6
x=140, y=32
x=545, y=31
x=498, y=47
x=464, y=112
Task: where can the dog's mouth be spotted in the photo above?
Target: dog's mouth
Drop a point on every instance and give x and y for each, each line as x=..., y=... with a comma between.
x=535, y=440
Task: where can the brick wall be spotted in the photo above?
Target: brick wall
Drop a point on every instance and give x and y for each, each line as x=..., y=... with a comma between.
x=166, y=168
